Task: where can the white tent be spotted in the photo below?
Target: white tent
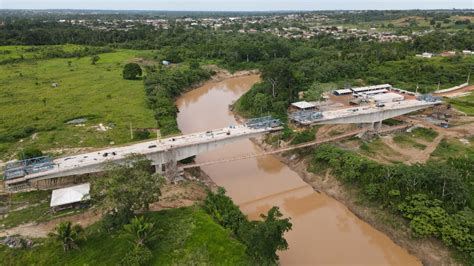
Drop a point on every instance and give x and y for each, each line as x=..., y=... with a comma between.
x=70, y=195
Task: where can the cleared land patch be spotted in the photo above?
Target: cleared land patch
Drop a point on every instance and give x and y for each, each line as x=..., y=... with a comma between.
x=38, y=97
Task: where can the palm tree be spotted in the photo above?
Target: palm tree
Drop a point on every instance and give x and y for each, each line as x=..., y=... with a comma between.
x=67, y=234
x=139, y=231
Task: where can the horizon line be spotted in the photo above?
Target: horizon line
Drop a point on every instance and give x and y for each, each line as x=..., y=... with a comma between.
x=263, y=11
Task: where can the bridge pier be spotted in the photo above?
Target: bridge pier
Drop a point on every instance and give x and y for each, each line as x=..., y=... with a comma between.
x=377, y=126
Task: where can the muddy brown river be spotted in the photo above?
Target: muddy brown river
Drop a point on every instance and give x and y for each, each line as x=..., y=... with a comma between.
x=324, y=231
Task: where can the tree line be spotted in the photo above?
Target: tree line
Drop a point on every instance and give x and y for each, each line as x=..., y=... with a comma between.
x=436, y=198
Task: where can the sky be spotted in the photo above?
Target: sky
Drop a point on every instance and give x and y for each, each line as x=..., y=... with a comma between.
x=235, y=5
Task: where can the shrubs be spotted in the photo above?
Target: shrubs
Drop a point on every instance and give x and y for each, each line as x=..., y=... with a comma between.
x=262, y=238
x=141, y=134
x=436, y=198
x=140, y=233
x=425, y=133
x=131, y=71
x=162, y=86
x=68, y=235
x=29, y=152
x=304, y=136
x=429, y=219
x=138, y=255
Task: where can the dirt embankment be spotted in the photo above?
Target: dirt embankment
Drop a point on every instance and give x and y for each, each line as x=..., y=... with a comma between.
x=222, y=74
x=172, y=196
x=429, y=251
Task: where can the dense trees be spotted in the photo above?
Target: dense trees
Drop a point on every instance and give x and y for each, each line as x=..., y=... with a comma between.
x=278, y=73
x=132, y=71
x=287, y=66
x=125, y=189
x=262, y=238
x=437, y=198
x=162, y=85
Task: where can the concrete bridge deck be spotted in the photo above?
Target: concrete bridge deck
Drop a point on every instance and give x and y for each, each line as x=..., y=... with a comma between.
x=369, y=113
x=160, y=152
x=346, y=135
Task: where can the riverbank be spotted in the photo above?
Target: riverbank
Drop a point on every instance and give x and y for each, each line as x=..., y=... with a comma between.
x=320, y=223
x=219, y=75
x=429, y=251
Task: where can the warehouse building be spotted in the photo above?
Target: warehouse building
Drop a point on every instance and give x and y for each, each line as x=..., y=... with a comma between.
x=372, y=88
x=375, y=89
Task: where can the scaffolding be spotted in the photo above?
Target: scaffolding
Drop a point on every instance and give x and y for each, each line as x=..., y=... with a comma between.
x=306, y=116
x=263, y=122
x=429, y=98
x=28, y=166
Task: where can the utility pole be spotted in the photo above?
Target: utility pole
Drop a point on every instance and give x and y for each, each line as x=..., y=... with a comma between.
x=439, y=84
x=468, y=77
x=131, y=131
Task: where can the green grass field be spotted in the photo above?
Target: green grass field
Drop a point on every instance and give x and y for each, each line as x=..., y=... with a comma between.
x=186, y=236
x=453, y=148
x=33, y=113
x=410, y=139
x=464, y=104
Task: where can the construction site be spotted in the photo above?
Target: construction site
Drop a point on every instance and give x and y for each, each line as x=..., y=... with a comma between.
x=378, y=108
x=359, y=111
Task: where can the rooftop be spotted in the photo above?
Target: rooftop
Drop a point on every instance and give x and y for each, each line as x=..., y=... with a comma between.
x=70, y=195
x=303, y=105
x=374, y=87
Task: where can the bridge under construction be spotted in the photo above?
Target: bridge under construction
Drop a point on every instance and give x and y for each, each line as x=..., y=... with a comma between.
x=164, y=154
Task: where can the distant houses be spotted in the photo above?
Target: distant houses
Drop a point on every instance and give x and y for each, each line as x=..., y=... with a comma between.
x=445, y=54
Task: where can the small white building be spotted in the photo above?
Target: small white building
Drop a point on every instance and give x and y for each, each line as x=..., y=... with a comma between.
x=303, y=105
x=387, y=97
x=467, y=52
x=342, y=92
x=427, y=55
x=66, y=197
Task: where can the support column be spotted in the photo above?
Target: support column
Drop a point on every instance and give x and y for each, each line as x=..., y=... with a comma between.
x=171, y=167
x=378, y=126
x=158, y=168
x=372, y=126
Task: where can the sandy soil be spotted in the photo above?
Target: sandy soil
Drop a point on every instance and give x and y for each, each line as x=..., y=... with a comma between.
x=456, y=93
x=41, y=230
x=411, y=154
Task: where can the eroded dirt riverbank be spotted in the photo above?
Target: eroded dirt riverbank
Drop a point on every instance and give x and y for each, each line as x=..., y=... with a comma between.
x=324, y=230
x=429, y=251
